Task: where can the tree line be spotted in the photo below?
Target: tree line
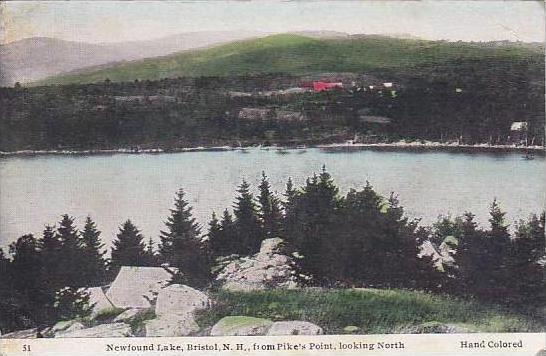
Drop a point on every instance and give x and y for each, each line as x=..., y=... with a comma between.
x=184, y=112
x=360, y=239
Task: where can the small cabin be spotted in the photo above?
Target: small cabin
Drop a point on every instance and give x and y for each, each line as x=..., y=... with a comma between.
x=324, y=86
x=518, y=132
x=255, y=114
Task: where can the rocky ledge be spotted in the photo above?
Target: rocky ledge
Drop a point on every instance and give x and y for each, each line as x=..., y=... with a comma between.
x=141, y=302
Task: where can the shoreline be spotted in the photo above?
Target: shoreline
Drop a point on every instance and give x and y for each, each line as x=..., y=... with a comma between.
x=333, y=147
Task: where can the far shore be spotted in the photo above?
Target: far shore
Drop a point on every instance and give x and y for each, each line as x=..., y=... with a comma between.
x=333, y=147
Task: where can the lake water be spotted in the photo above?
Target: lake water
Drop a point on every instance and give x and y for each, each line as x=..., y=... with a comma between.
x=36, y=190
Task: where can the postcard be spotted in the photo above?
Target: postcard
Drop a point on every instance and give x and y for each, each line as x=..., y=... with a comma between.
x=272, y=177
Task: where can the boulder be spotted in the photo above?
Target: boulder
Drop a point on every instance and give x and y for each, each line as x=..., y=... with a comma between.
x=65, y=325
x=240, y=326
x=21, y=334
x=130, y=314
x=103, y=330
x=295, y=327
x=98, y=300
x=182, y=300
x=435, y=327
x=271, y=246
x=176, y=325
x=73, y=327
x=351, y=329
x=268, y=269
x=175, y=308
x=137, y=287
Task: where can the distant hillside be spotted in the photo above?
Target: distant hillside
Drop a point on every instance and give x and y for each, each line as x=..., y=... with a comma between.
x=298, y=54
x=36, y=58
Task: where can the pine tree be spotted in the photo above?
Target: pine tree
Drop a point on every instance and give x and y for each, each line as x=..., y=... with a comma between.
x=470, y=259
x=150, y=257
x=270, y=210
x=290, y=195
x=247, y=224
x=228, y=235
x=215, y=239
x=50, y=250
x=71, y=254
x=361, y=229
x=290, y=216
x=95, y=263
x=525, y=272
x=128, y=248
x=181, y=246
x=310, y=227
x=399, y=247
x=26, y=277
x=12, y=314
x=498, y=250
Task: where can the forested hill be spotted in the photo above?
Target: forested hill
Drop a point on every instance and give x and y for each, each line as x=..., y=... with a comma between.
x=300, y=55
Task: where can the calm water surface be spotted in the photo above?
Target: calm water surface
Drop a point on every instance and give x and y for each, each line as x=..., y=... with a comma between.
x=36, y=190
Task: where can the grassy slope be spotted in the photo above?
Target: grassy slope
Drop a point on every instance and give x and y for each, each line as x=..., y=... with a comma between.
x=295, y=54
x=373, y=311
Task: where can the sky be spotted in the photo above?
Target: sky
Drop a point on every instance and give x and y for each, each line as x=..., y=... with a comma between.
x=117, y=21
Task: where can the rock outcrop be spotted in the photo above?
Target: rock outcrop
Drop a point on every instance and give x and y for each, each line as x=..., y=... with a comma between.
x=130, y=314
x=103, y=330
x=21, y=334
x=63, y=327
x=265, y=270
x=176, y=325
x=295, y=327
x=178, y=299
x=141, y=303
x=175, y=309
x=240, y=326
x=250, y=326
x=99, y=301
x=137, y=287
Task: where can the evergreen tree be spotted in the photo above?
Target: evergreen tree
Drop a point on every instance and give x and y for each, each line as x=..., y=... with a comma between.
x=289, y=196
x=399, y=246
x=470, y=259
x=128, y=247
x=50, y=249
x=150, y=257
x=247, y=224
x=361, y=228
x=181, y=246
x=498, y=247
x=26, y=278
x=16, y=311
x=71, y=254
x=270, y=210
x=311, y=225
x=12, y=314
x=215, y=239
x=94, y=263
x=526, y=273
x=51, y=273
x=228, y=237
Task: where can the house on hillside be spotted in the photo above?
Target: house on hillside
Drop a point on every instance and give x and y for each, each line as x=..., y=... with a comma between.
x=144, y=99
x=518, y=132
x=255, y=114
x=319, y=86
x=288, y=115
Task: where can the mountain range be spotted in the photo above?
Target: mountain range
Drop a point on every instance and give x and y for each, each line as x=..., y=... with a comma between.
x=51, y=61
x=36, y=58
